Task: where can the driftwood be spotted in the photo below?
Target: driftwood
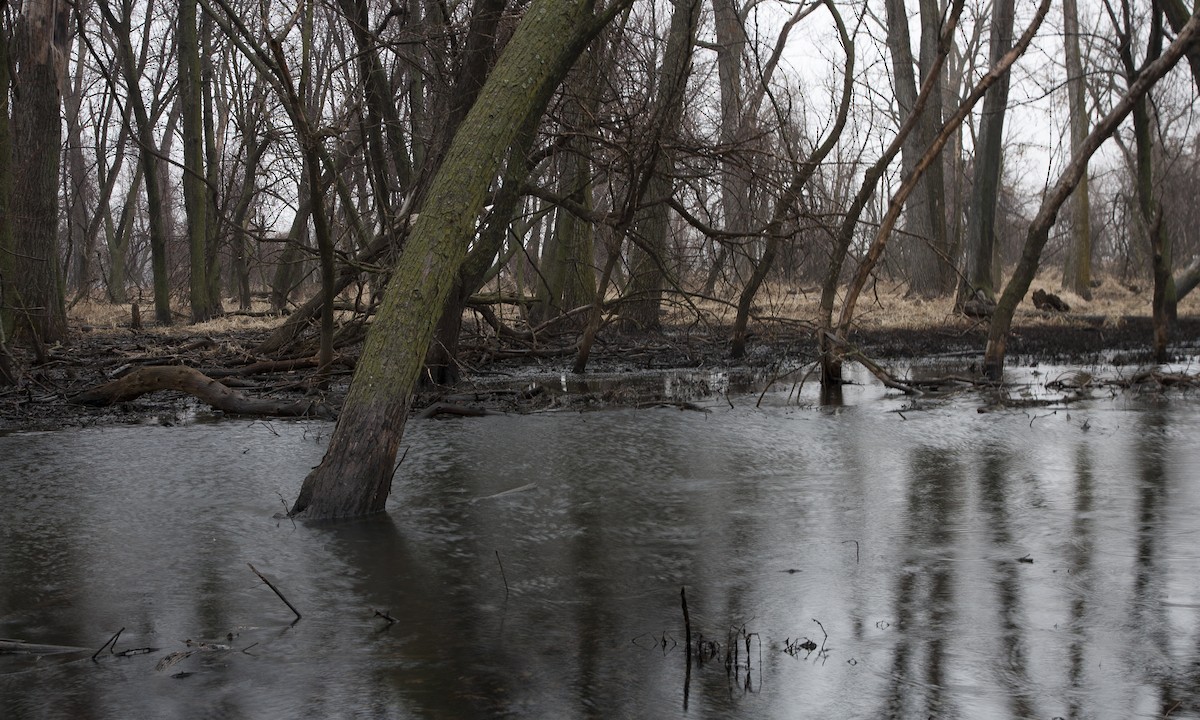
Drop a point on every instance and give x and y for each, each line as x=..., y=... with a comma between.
x=193, y=382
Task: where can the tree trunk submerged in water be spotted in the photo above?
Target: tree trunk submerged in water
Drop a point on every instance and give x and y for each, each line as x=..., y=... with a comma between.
x=355, y=476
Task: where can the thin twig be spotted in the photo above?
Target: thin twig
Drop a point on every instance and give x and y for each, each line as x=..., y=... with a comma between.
x=818, y=622
x=286, y=510
x=687, y=619
x=384, y=614
x=111, y=641
x=276, y=591
x=502, y=577
x=397, y=468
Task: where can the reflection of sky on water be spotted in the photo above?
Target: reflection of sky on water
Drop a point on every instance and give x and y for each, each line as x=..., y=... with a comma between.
x=901, y=533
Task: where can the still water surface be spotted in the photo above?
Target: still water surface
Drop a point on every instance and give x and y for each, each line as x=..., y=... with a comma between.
x=906, y=536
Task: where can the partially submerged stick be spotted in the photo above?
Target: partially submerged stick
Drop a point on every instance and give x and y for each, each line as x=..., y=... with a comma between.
x=687, y=620
x=111, y=641
x=276, y=591
x=502, y=576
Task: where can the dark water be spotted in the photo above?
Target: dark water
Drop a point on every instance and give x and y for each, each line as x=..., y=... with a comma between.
x=902, y=533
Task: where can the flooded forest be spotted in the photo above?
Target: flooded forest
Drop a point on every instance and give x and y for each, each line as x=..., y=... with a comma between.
x=599, y=358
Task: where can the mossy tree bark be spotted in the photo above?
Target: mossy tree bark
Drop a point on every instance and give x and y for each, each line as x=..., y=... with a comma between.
x=355, y=476
x=1039, y=229
x=480, y=52
x=441, y=362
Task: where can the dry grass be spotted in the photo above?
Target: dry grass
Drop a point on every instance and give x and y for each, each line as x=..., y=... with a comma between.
x=107, y=316
x=883, y=305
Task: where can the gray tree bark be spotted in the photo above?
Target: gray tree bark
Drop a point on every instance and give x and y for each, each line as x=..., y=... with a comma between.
x=1039, y=229
x=989, y=160
x=1077, y=272
x=641, y=309
x=42, y=49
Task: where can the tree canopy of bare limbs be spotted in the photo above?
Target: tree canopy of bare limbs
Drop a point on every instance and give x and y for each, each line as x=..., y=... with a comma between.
x=387, y=168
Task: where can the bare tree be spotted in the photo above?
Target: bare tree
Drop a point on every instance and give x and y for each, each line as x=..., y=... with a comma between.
x=8, y=289
x=43, y=33
x=989, y=158
x=1039, y=229
x=1077, y=273
x=364, y=445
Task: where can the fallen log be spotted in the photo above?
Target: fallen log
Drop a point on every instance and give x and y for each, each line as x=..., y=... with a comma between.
x=193, y=382
x=450, y=409
x=275, y=366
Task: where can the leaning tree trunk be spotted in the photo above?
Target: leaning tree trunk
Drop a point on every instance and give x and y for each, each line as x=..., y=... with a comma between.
x=789, y=201
x=1039, y=229
x=355, y=476
x=831, y=350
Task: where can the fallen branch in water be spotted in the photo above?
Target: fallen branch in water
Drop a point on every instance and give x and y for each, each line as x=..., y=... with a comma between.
x=452, y=409
x=111, y=641
x=193, y=382
x=682, y=405
x=276, y=591
x=874, y=368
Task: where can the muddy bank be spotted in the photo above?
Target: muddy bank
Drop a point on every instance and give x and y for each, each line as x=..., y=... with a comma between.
x=506, y=377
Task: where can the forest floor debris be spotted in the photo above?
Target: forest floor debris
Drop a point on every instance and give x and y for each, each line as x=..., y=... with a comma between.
x=501, y=374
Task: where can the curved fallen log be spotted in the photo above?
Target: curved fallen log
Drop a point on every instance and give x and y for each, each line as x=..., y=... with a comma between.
x=193, y=382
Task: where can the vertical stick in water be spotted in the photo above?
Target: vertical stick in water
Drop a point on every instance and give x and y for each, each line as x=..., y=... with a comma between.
x=687, y=620
x=687, y=631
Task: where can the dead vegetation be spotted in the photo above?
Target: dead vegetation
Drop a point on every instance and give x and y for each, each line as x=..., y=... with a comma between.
x=108, y=369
